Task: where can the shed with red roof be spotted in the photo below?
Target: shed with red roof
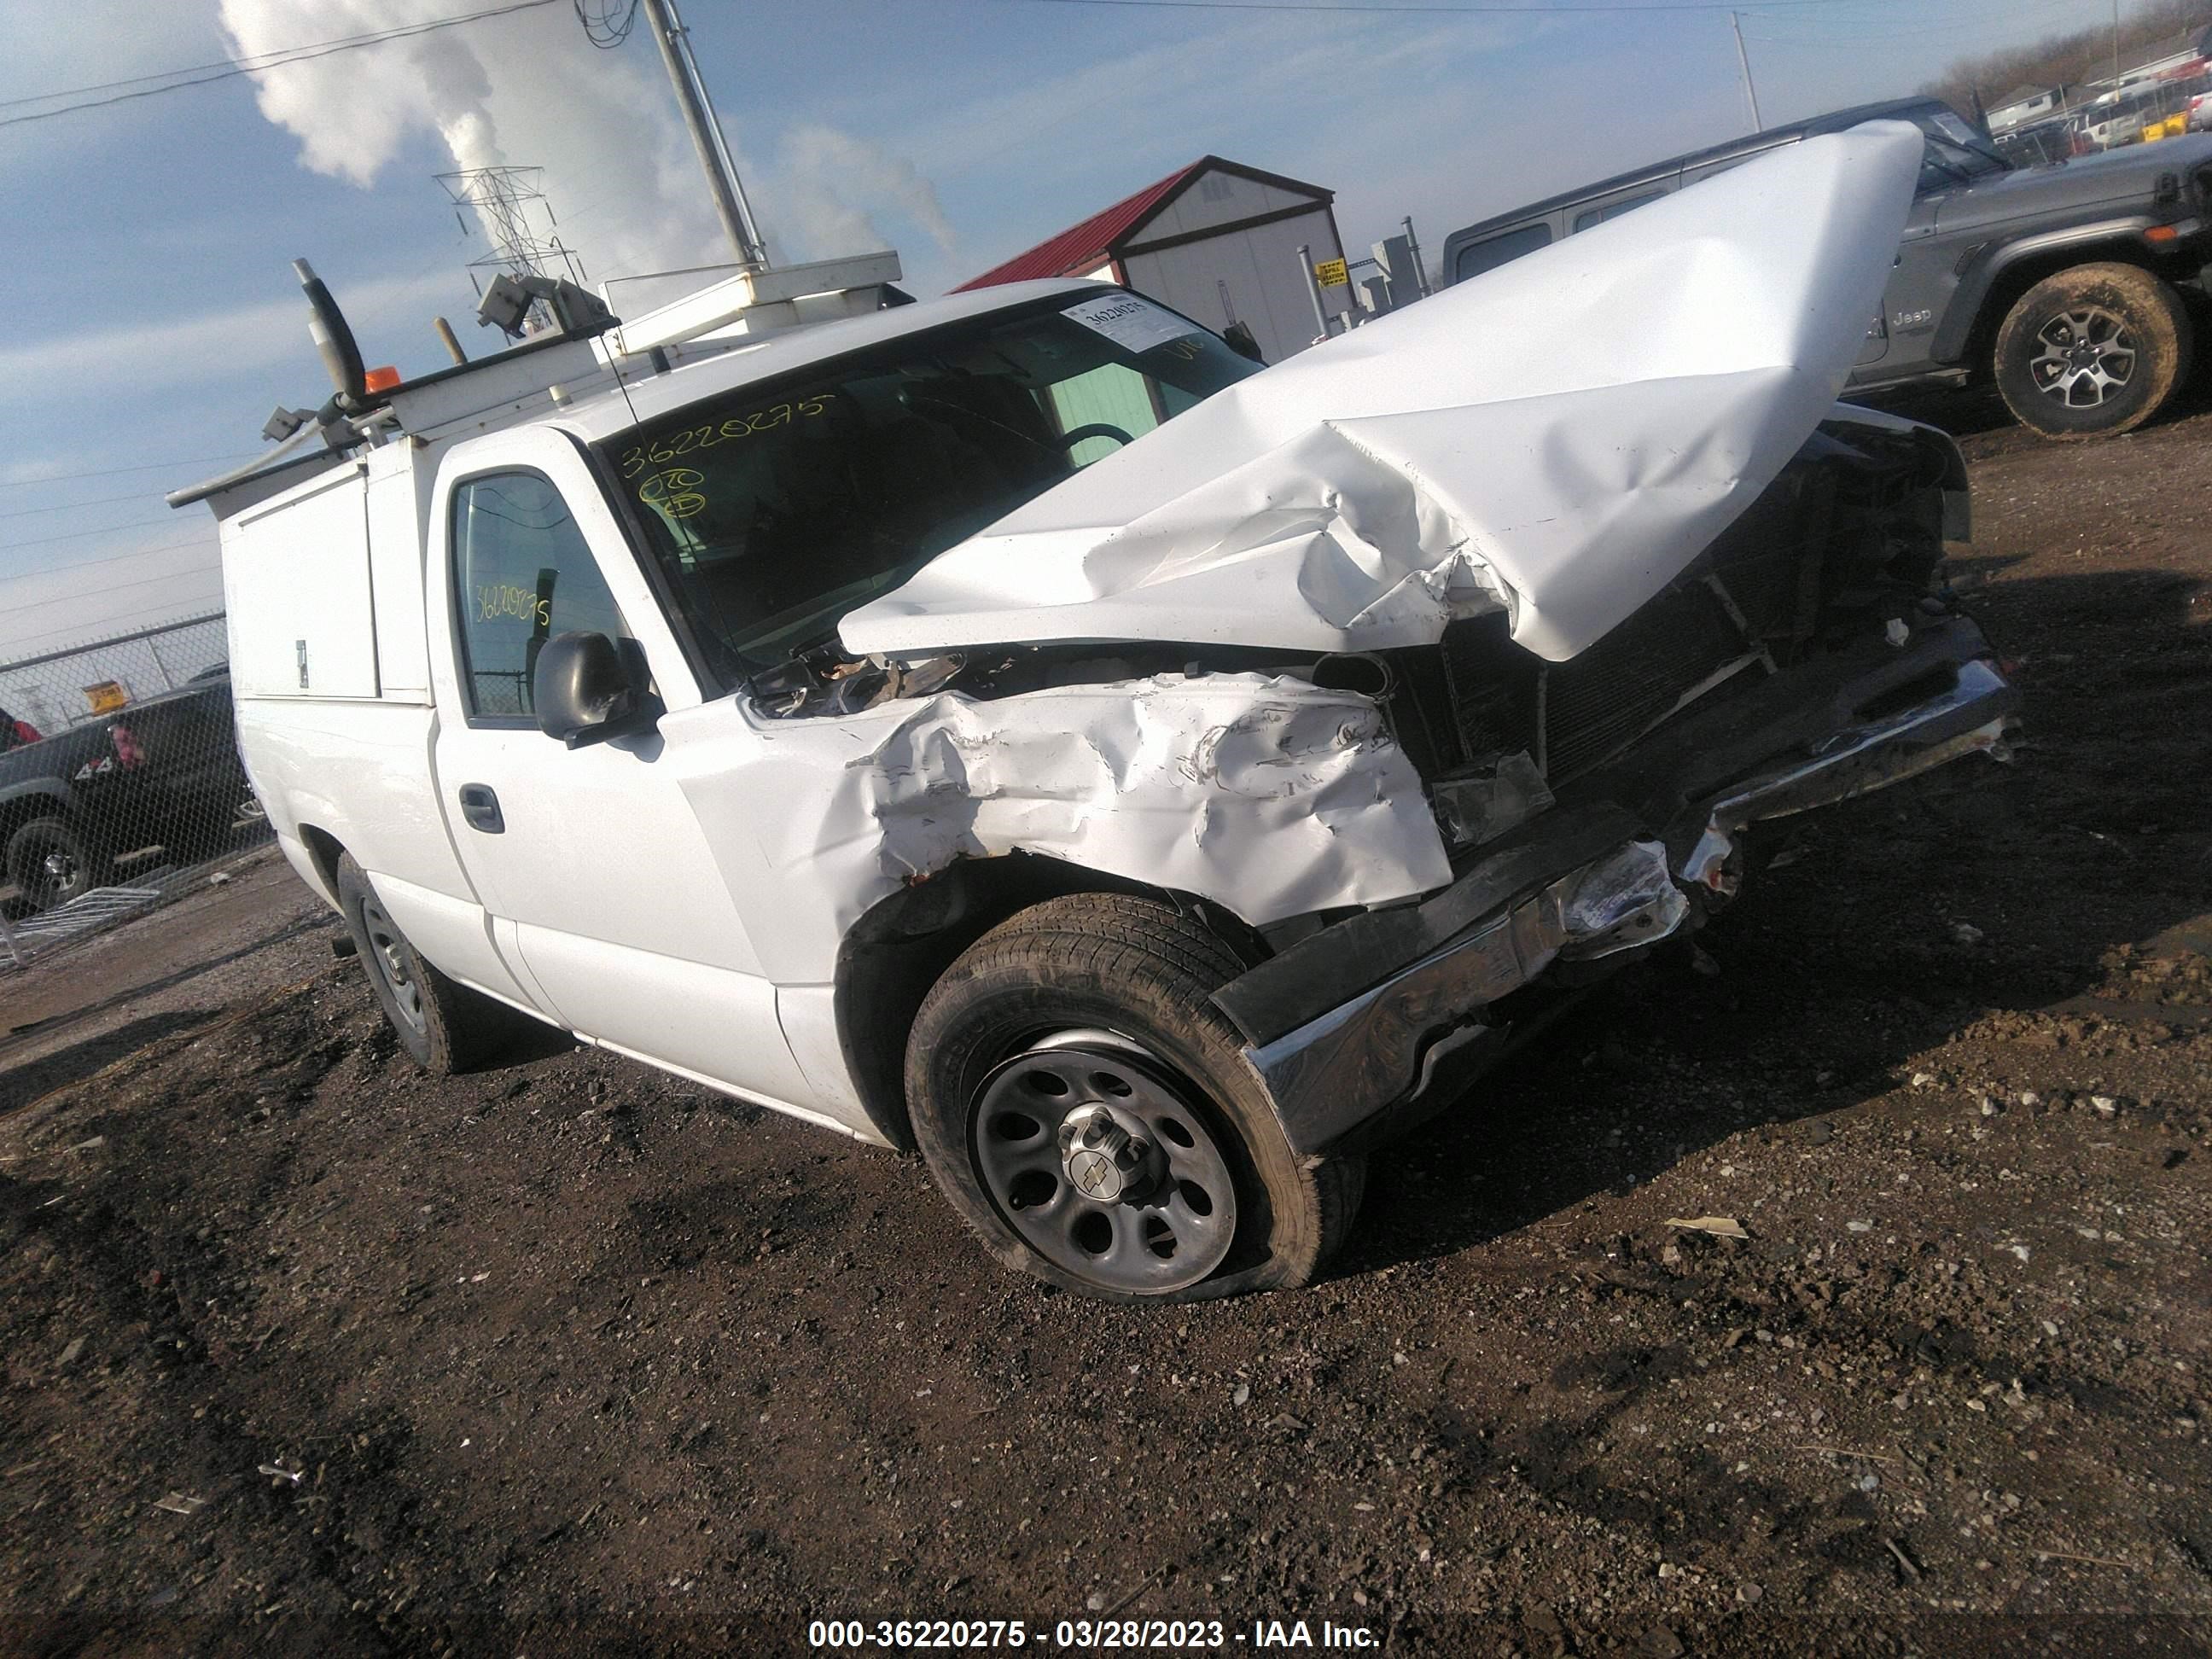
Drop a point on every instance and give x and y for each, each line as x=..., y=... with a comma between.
x=1216, y=240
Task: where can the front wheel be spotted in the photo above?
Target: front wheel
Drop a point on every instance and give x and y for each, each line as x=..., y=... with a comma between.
x=2093, y=351
x=1091, y=1115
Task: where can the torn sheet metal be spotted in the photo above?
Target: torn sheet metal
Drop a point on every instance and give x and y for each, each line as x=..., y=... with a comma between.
x=1560, y=437
x=1269, y=796
x=1627, y=902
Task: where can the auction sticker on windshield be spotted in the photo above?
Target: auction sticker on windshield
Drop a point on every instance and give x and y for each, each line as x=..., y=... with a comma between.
x=1132, y=324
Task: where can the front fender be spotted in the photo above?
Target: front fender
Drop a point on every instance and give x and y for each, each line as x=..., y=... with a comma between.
x=41, y=793
x=1268, y=796
x=1954, y=334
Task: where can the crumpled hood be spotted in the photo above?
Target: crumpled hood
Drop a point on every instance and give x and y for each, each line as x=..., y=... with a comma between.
x=1560, y=437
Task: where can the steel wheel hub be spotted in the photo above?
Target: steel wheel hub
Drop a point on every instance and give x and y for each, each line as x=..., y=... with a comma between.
x=388, y=962
x=2083, y=357
x=1091, y=1149
x=1106, y=1156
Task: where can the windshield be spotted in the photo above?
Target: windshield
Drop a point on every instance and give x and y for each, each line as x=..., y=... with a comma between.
x=775, y=510
x=1955, y=152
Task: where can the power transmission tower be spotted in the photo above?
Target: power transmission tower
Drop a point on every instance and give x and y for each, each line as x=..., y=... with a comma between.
x=501, y=198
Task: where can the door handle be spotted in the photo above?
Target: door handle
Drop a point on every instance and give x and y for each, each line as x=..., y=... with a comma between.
x=480, y=808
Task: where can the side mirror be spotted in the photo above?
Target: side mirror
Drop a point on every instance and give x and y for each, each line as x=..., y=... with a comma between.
x=587, y=688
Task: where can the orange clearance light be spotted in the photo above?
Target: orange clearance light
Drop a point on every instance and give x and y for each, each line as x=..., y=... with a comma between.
x=380, y=380
x=2162, y=234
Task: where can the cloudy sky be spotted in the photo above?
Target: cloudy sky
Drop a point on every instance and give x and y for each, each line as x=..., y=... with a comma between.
x=151, y=322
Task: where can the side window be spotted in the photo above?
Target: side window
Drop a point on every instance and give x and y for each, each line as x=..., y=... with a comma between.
x=522, y=573
x=1479, y=256
x=1598, y=216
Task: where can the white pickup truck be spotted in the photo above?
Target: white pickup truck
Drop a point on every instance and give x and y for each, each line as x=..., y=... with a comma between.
x=1018, y=727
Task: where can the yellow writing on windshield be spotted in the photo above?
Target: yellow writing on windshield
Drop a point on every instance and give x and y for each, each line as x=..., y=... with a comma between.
x=674, y=492
x=672, y=445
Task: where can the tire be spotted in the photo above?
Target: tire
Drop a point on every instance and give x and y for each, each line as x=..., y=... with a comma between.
x=50, y=863
x=444, y=1026
x=2093, y=351
x=1086, y=1011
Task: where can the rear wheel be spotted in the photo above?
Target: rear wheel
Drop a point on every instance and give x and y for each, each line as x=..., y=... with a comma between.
x=2092, y=351
x=50, y=863
x=1091, y=1115
x=443, y=1025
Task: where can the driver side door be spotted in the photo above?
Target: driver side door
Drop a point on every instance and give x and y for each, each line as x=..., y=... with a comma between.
x=606, y=901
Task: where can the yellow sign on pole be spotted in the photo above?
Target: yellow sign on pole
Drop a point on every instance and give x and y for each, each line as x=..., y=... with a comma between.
x=1331, y=273
x=106, y=697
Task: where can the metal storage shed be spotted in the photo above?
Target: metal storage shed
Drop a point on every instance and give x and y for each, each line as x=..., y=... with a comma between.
x=1216, y=240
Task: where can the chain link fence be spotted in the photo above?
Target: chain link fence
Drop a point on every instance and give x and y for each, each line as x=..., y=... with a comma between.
x=119, y=782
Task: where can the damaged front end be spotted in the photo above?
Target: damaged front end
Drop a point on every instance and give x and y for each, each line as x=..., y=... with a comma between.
x=1364, y=1024
x=1429, y=841
x=1597, y=806
x=1443, y=676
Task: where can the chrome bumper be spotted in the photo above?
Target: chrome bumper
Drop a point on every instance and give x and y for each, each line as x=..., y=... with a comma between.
x=1420, y=1028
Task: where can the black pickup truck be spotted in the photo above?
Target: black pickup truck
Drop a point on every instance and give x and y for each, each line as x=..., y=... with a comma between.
x=164, y=771
x=2070, y=285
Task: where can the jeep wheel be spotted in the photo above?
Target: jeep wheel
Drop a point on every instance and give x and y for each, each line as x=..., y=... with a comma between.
x=1091, y=1115
x=52, y=864
x=444, y=1026
x=2093, y=350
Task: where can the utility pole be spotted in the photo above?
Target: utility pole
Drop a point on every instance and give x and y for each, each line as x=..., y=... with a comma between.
x=1743, y=62
x=1313, y=289
x=2116, y=39
x=1413, y=243
x=729, y=193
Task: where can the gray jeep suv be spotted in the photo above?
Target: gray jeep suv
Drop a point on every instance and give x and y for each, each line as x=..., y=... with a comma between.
x=2069, y=285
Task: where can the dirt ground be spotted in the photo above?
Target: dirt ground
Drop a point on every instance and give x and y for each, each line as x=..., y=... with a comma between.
x=109, y=995
x=569, y=1353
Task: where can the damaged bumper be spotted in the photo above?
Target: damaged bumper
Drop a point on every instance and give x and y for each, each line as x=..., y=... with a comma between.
x=1389, y=1012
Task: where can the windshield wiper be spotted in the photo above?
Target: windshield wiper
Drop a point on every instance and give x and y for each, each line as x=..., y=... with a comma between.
x=1991, y=160
x=1930, y=158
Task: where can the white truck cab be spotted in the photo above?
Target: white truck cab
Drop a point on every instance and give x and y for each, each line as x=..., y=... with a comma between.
x=1017, y=727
